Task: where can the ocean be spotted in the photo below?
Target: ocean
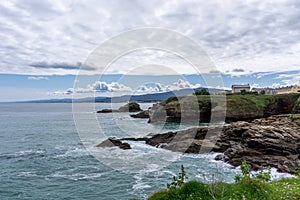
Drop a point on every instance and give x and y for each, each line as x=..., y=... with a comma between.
x=44, y=154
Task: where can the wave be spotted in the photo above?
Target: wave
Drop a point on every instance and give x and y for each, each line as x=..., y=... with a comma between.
x=22, y=154
x=73, y=152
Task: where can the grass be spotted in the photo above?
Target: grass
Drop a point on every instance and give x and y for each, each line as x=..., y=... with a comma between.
x=236, y=104
x=246, y=186
x=285, y=189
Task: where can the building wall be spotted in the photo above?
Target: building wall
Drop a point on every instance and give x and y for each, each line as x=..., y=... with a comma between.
x=287, y=90
x=239, y=89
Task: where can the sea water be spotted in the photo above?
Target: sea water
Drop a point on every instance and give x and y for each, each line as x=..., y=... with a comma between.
x=42, y=156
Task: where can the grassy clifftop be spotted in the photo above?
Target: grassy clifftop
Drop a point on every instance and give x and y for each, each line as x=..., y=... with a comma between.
x=254, y=106
x=276, y=190
x=237, y=106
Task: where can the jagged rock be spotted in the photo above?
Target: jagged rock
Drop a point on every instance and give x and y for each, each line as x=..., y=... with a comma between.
x=296, y=109
x=272, y=141
x=157, y=113
x=129, y=107
x=114, y=142
x=142, y=114
x=107, y=111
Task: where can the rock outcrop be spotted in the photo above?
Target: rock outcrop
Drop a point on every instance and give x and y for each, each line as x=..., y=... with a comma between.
x=233, y=108
x=141, y=114
x=129, y=107
x=296, y=109
x=114, y=142
x=272, y=141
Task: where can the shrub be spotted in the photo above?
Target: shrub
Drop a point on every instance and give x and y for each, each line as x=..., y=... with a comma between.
x=264, y=176
x=246, y=187
x=201, y=92
x=178, y=182
x=245, y=167
x=170, y=99
x=296, y=168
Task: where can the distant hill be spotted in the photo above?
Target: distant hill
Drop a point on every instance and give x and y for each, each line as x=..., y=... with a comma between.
x=139, y=98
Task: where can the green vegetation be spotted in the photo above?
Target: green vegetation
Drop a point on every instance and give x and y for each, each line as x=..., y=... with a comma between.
x=297, y=169
x=201, y=92
x=178, y=182
x=171, y=99
x=247, y=106
x=246, y=187
x=294, y=117
x=238, y=101
x=244, y=92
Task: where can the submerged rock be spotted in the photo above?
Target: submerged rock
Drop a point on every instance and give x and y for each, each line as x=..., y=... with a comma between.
x=107, y=111
x=142, y=114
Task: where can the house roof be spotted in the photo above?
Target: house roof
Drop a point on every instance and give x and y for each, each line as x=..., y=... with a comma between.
x=241, y=86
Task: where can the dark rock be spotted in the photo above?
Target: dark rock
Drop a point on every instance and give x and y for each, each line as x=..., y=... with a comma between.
x=296, y=108
x=114, y=142
x=107, y=111
x=272, y=141
x=142, y=114
x=135, y=139
x=157, y=113
x=221, y=157
x=129, y=107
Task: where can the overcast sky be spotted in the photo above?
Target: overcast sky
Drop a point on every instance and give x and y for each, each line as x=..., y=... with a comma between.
x=41, y=38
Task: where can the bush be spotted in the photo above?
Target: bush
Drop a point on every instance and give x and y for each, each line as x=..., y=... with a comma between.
x=178, y=182
x=246, y=187
x=170, y=99
x=201, y=92
x=244, y=92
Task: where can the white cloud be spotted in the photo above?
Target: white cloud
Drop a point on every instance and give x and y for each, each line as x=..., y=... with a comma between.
x=108, y=89
x=157, y=87
x=69, y=91
x=37, y=78
x=290, y=78
x=97, y=87
x=276, y=85
x=255, y=85
x=258, y=36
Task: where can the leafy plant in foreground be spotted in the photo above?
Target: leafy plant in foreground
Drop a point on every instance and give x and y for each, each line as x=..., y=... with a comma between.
x=245, y=167
x=178, y=182
x=264, y=176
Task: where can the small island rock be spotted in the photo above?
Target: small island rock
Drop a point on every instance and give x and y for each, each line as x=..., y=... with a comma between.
x=114, y=142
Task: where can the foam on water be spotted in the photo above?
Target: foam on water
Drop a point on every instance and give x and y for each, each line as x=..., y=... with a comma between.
x=42, y=157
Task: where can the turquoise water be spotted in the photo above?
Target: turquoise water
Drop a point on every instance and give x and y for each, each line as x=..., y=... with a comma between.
x=42, y=157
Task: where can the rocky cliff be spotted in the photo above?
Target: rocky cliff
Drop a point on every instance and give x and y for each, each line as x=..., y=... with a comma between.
x=272, y=141
x=236, y=107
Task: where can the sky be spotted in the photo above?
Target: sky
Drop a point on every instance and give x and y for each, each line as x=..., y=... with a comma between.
x=45, y=44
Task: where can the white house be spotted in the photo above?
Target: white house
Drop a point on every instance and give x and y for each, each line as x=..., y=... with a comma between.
x=239, y=88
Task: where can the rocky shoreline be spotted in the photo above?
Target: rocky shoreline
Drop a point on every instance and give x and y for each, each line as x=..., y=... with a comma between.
x=273, y=141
